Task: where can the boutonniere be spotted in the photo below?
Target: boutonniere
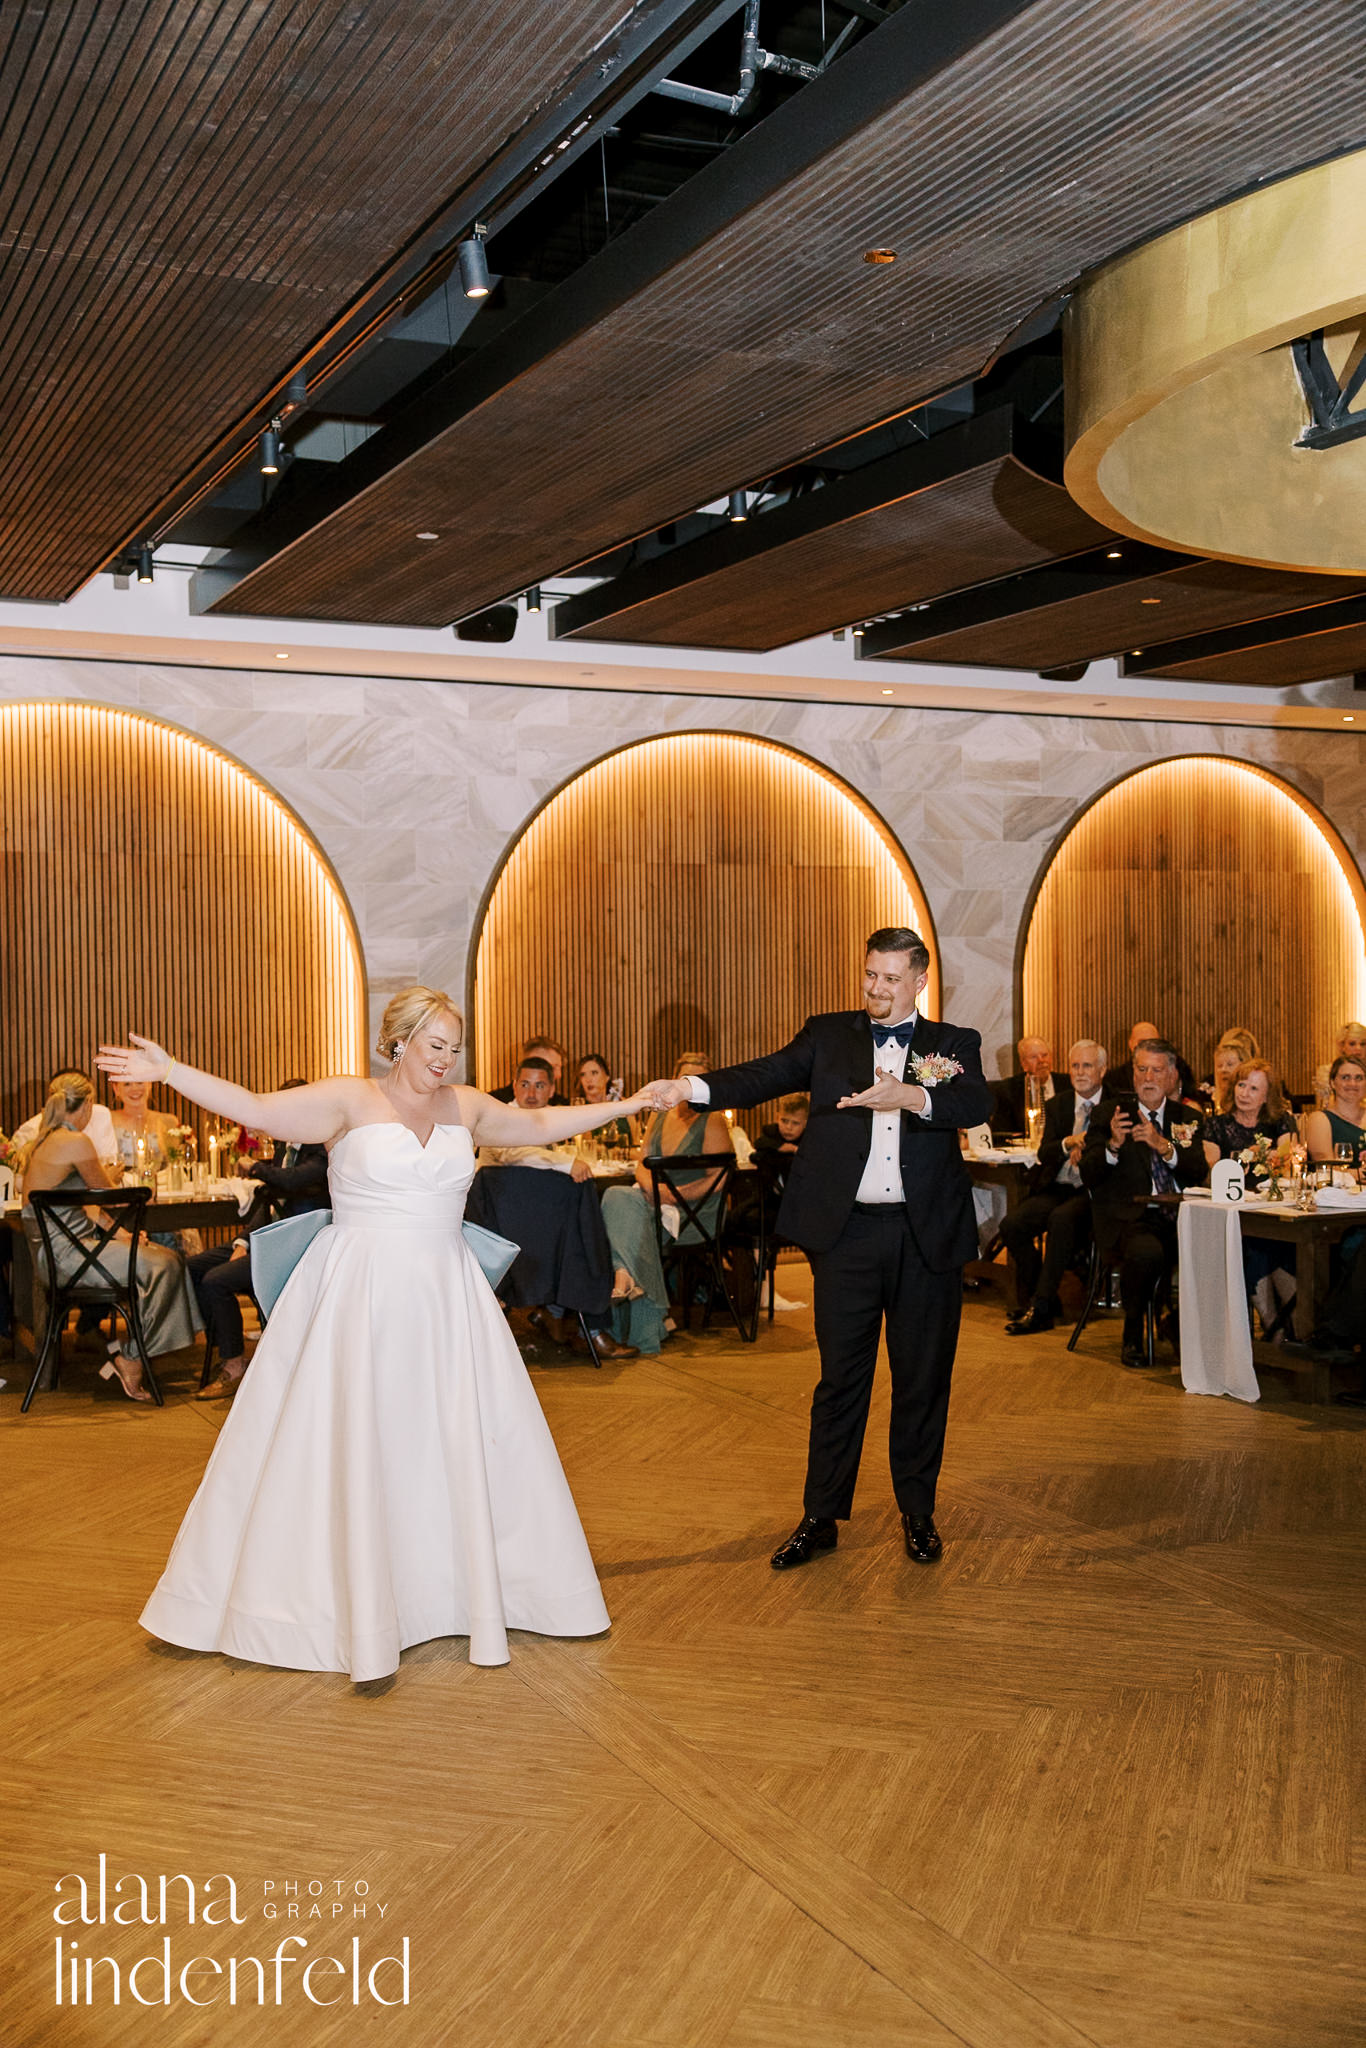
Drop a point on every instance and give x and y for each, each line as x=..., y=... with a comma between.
x=1182, y=1134
x=929, y=1067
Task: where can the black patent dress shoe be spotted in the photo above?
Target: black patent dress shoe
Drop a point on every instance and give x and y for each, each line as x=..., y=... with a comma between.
x=1134, y=1355
x=923, y=1542
x=812, y=1534
x=1031, y=1325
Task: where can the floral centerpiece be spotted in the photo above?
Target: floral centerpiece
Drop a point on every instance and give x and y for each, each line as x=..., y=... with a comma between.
x=1269, y=1162
x=177, y=1139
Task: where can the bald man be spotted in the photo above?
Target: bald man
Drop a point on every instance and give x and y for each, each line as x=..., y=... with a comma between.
x=1036, y=1063
x=1120, y=1080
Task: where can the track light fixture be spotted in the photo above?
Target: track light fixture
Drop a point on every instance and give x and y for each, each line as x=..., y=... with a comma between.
x=533, y=598
x=270, y=450
x=858, y=632
x=474, y=267
x=145, y=563
x=739, y=508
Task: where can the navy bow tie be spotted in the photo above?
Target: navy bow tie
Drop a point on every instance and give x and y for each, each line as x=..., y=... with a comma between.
x=883, y=1034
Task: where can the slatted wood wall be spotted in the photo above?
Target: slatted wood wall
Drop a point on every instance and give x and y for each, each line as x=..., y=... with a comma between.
x=1199, y=893
x=151, y=884
x=703, y=891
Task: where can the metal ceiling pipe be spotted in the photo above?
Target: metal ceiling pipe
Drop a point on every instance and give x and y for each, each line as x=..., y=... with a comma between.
x=751, y=62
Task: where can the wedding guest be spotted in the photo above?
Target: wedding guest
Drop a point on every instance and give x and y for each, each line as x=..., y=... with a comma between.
x=99, y=1130
x=1250, y=1107
x=1236, y=1045
x=1124, y=1160
x=296, y=1182
x=1120, y=1079
x=533, y=1089
x=1011, y=1094
x=552, y=1054
x=1059, y=1207
x=629, y=1214
x=773, y=1152
x=136, y=1121
x=1342, y=1121
x=595, y=1085
x=1351, y=1040
x=62, y=1155
x=784, y=1134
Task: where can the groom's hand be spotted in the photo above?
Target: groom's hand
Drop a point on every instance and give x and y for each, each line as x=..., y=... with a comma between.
x=887, y=1093
x=666, y=1094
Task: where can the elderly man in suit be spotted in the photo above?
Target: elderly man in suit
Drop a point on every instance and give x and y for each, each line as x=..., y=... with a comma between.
x=1058, y=1209
x=1136, y=1151
x=879, y=1198
x=1012, y=1094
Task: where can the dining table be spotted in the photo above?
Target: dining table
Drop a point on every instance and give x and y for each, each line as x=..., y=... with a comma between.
x=1000, y=1175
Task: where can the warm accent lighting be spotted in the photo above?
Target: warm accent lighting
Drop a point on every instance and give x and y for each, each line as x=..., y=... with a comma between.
x=879, y=256
x=1150, y=600
x=533, y=598
x=144, y=564
x=429, y=536
x=282, y=657
x=886, y=693
x=270, y=451
x=1113, y=555
x=738, y=509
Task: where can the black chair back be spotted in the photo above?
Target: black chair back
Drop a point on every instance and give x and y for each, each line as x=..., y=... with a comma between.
x=105, y=1211
x=702, y=1222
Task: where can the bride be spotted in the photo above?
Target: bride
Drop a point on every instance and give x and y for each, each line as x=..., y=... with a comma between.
x=386, y=1474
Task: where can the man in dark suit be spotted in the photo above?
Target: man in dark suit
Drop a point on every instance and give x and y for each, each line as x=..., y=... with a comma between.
x=293, y=1183
x=1058, y=1204
x=879, y=1198
x=1011, y=1094
x=1127, y=1158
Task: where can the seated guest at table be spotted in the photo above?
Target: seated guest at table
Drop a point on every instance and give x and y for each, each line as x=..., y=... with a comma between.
x=1012, y=1093
x=532, y=1089
x=1236, y=1045
x=638, y=1282
x=99, y=1130
x=772, y=1153
x=295, y=1182
x=595, y=1085
x=134, y=1120
x=1120, y=1079
x=1249, y=1107
x=1059, y=1208
x=552, y=1054
x=1127, y=1159
x=61, y=1155
x=781, y=1138
x=1343, y=1119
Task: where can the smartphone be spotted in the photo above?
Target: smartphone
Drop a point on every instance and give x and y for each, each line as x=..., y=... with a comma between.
x=1129, y=1105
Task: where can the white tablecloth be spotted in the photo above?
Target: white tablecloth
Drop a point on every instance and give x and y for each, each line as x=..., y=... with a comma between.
x=1216, y=1339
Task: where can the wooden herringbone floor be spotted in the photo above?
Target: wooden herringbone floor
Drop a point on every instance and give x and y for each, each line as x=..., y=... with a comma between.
x=1090, y=1780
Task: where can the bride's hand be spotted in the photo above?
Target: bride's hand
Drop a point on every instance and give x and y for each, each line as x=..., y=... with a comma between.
x=144, y=1060
x=636, y=1104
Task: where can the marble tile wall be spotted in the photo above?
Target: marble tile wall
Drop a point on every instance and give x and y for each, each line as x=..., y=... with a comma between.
x=415, y=790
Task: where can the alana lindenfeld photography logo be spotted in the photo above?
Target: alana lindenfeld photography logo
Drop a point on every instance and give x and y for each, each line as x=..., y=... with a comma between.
x=330, y=1944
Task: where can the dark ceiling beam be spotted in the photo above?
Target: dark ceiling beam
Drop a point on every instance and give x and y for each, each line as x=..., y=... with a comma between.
x=1304, y=646
x=853, y=548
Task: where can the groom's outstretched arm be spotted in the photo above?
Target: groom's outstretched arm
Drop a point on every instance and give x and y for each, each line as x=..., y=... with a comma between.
x=753, y=1081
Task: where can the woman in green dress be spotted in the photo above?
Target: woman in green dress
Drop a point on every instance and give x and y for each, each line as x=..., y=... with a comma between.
x=1343, y=1120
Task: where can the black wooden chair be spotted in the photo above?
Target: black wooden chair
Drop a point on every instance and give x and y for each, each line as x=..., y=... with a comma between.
x=699, y=1246
x=751, y=1232
x=91, y=1283
x=1102, y=1279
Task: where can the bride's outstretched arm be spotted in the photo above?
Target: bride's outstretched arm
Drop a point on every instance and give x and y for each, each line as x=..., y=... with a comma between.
x=503, y=1123
x=311, y=1115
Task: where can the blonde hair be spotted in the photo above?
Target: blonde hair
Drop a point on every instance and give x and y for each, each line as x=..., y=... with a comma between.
x=66, y=1092
x=1241, y=1039
x=407, y=1012
x=1274, y=1106
x=692, y=1059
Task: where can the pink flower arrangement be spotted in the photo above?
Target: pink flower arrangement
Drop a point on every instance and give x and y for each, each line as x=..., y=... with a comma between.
x=929, y=1067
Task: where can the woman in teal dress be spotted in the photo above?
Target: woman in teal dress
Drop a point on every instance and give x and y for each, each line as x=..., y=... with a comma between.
x=642, y=1301
x=1343, y=1120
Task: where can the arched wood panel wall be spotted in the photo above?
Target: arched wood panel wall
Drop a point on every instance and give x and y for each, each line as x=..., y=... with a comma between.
x=151, y=884
x=1199, y=893
x=700, y=891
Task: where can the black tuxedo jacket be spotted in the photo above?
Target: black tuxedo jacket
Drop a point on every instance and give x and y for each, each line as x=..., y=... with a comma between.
x=1059, y=1115
x=1008, y=1100
x=1113, y=1188
x=831, y=1056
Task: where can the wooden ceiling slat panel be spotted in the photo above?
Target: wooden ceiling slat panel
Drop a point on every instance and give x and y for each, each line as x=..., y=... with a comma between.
x=956, y=510
x=731, y=335
x=1197, y=597
x=191, y=193
x=1292, y=654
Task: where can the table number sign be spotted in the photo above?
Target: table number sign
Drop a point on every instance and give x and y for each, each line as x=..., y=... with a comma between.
x=1227, y=1182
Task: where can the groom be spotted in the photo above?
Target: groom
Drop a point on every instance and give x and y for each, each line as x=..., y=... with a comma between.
x=880, y=1200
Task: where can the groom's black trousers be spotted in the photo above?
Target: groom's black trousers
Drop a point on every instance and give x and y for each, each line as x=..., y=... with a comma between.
x=874, y=1273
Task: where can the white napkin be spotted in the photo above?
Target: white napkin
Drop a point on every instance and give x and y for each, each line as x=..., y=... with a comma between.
x=1340, y=1198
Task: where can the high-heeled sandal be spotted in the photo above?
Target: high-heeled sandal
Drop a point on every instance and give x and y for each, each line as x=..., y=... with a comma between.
x=112, y=1369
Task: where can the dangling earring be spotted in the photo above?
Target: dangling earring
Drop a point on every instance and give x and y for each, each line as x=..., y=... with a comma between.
x=396, y=1055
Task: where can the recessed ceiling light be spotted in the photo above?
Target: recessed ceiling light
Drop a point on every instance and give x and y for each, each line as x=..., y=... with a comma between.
x=1150, y=600
x=1349, y=718
x=1113, y=555
x=429, y=536
x=1135, y=650
x=886, y=693
x=282, y=657
x=879, y=255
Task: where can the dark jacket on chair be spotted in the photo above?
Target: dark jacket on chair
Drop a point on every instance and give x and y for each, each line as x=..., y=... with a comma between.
x=1115, y=1189
x=832, y=1056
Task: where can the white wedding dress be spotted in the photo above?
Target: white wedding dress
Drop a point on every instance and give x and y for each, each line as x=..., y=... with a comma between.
x=386, y=1474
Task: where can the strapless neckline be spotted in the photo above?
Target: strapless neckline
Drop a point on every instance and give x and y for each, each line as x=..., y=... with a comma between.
x=395, y=1124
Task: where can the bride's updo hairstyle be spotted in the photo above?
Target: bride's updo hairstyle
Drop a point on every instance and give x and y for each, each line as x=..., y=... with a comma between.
x=407, y=1012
